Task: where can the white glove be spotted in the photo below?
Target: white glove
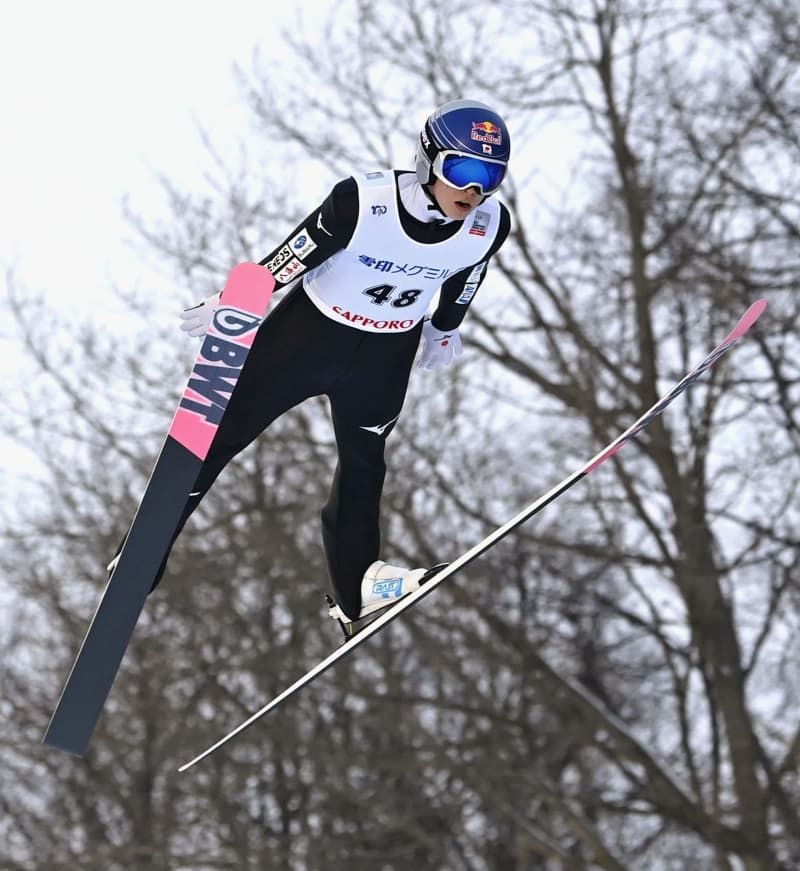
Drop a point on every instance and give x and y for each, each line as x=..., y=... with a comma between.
x=197, y=319
x=439, y=348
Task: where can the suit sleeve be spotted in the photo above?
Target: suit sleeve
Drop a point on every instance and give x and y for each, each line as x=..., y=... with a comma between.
x=319, y=235
x=459, y=290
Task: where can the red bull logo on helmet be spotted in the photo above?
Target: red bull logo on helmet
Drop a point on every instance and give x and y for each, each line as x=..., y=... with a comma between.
x=486, y=131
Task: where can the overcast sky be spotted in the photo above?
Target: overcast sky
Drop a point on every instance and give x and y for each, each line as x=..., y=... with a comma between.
x=94, y=99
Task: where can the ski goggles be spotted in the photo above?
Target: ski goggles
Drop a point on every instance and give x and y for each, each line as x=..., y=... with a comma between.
x=462, y=171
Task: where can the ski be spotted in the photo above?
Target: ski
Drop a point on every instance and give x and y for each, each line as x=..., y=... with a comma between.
x=241, y=309
x=745, y=322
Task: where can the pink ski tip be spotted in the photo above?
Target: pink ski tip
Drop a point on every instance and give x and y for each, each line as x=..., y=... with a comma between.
x=747, y=320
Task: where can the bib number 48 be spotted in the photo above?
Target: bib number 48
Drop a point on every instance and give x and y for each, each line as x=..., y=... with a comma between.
x=381, y=293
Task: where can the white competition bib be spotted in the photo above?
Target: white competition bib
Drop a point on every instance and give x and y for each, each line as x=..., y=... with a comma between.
x=384, y=281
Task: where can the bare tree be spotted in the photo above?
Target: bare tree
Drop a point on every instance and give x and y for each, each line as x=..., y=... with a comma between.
x=613, y=687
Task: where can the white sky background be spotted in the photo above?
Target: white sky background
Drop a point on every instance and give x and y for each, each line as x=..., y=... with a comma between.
x=95, y=99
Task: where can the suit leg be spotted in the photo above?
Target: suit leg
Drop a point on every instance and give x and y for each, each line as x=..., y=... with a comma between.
x=365, y=409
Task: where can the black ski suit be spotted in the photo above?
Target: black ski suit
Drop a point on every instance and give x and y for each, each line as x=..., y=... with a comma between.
x=299, y=352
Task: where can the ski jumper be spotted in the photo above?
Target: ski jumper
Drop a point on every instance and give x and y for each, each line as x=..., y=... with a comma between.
x=363, y=270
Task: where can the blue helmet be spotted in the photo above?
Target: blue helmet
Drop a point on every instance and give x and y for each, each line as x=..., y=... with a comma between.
x=464, y=144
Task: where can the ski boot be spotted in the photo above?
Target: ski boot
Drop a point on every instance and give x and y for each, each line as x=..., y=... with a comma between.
x=381, y=587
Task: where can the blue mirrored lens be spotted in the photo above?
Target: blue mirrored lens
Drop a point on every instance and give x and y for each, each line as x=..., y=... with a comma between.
x=462, y=172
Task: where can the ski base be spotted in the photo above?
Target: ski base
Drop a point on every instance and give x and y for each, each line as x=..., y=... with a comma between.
x=242, y=307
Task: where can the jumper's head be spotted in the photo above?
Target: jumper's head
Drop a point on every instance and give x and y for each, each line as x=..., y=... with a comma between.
x=464, y=144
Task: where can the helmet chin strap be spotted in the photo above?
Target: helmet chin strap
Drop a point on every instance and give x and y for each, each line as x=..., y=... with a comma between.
x=429, y=194
x=435, y=207
x=418, y=202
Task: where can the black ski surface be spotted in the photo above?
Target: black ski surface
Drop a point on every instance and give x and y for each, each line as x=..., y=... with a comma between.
x=222, y=354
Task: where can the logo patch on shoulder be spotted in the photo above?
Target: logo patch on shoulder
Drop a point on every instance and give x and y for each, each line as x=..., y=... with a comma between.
x=288, y=272
x=302, y=244
x=480, y=221
x=283, y=256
